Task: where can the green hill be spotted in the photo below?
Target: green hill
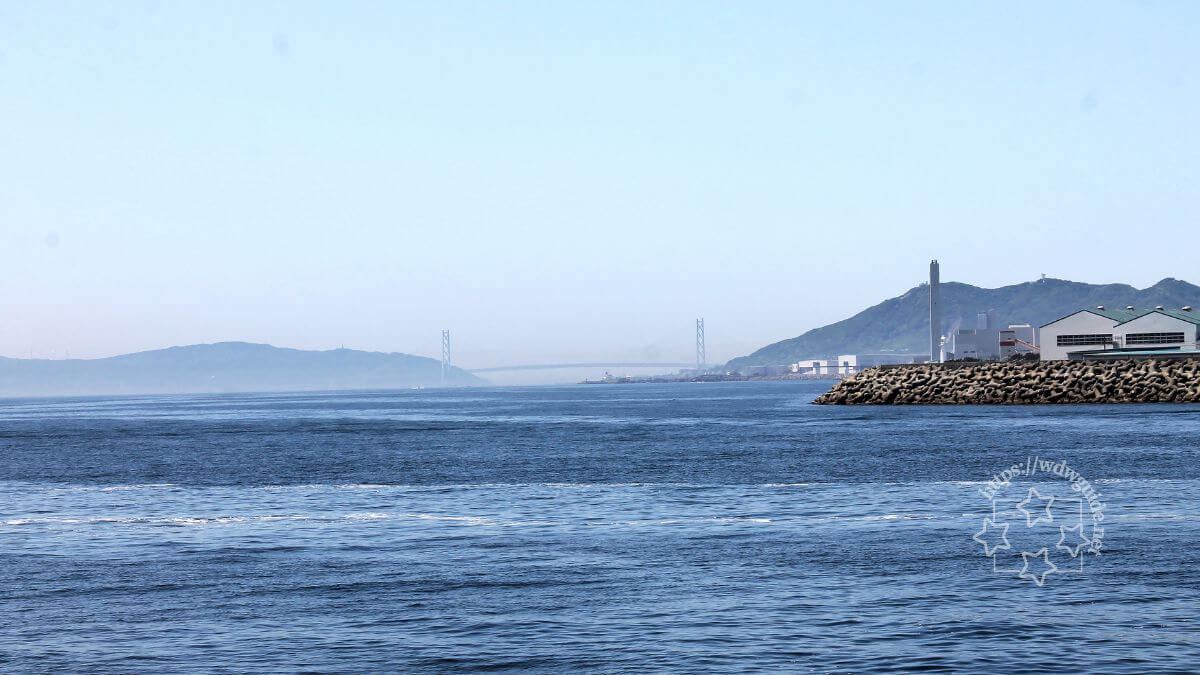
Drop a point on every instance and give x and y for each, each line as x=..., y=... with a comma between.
x=901, y=324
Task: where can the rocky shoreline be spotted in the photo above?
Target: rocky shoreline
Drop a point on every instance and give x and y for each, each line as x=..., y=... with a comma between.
x=1121, y=381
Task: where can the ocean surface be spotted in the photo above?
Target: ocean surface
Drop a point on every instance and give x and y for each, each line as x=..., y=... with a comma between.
x=684, y=527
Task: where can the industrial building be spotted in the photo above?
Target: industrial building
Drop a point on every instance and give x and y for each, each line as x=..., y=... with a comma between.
x=981, y=342
x=849, y=364
x=1111, y=333
x=814, y=367
x=1018, y=338
x=987, y=341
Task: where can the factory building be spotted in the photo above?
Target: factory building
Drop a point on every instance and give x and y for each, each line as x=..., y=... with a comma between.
x=1102, y=332
x=981, y=342
x=1159, y=328
x=849, y=364
x=813, y=367
x=1020, y=338
x=987, y=341
x=1085, y=330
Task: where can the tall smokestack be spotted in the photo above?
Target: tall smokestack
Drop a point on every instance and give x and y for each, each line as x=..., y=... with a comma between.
x=935, y=313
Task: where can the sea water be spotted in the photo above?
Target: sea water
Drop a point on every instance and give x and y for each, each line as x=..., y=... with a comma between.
x=716, y=526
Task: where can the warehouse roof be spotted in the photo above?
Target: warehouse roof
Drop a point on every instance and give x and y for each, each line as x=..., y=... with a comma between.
x=1182, y=315
x=1118, y=315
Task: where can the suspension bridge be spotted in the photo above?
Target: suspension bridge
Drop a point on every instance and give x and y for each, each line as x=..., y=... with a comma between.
x=700, y=363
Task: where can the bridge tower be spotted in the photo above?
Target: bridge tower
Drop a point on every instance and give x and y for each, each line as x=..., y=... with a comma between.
x=445, y=355
x=700, y=345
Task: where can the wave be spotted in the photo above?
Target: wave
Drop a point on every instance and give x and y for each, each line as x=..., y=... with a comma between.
x=892, y=516
x=226, y=520
x=472, y=520
x=1152, y=516
x=738, y=519
x=131, y=520
x=32, y=487
x=183, y=521
x=673, y=521
x=168, y=520
x=371, y=515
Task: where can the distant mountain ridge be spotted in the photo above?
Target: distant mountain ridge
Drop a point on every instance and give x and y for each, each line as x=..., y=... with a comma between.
x=223, y=367
x=901, y=324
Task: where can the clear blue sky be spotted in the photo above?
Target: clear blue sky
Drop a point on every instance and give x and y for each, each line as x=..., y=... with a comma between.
x=569, y=180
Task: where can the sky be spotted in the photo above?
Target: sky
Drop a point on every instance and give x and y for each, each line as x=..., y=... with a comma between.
x=572, y=181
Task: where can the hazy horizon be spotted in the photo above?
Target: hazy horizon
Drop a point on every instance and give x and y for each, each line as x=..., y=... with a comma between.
x=571, y=182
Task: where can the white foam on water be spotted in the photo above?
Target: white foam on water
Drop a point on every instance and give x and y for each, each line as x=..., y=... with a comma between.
x=491, y=486
x=894, y=516
x=1152, y=516
x=651, y=522
x=469, y=520
x=136, y=486
x=191, y=520
x=370, y=515
x=735, y=519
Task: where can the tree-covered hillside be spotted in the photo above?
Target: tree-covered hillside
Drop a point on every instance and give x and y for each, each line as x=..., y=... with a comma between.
x=901, y=324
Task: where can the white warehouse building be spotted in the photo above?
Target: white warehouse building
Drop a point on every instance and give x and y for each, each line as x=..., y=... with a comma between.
x=1093, y=333
x=849, y=364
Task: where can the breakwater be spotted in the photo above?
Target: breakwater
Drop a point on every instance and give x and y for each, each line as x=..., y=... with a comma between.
x=1119, y=381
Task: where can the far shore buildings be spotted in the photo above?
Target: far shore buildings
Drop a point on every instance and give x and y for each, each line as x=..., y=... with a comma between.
x=1103, y=333
x=848, y=364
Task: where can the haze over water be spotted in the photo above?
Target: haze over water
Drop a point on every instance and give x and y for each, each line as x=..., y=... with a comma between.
x=572, y=182
x=659, y=527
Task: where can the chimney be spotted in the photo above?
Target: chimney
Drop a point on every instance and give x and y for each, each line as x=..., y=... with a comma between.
x=935, y=313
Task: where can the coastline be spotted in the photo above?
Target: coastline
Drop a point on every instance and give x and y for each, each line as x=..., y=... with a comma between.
x=712, y=377
x=1009, y=383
